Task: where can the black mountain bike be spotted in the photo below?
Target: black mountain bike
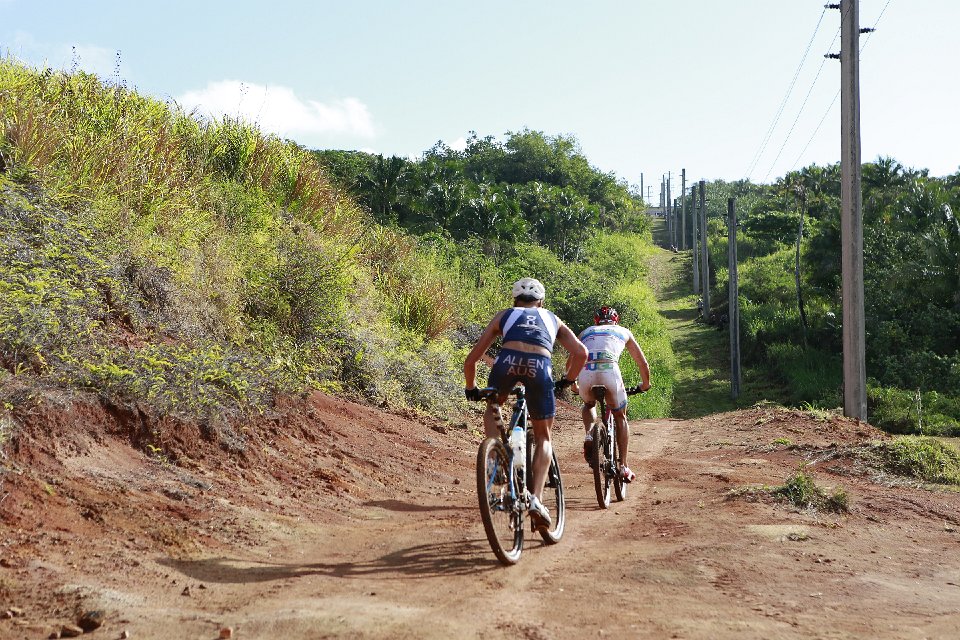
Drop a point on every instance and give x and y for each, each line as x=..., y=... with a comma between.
x=605, y=459
x=503, y=481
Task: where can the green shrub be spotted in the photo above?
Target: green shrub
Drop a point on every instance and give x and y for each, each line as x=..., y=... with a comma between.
x=811, y=375
x=621, y=255
x=924, y=458
x=387, y=367
x=801, y=491
x=415, y=287
x=192, y=380
x=650, y=331
x=901, y=411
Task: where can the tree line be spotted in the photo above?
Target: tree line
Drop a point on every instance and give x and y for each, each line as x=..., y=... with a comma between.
x=528, y=187
x=790, y=283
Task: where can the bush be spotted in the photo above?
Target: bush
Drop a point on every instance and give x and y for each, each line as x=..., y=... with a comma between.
x=801, y=491
x=901, y=411
x=926, y=459
x=810, y=374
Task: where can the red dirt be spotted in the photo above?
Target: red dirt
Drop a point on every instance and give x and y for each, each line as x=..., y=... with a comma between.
x=340, y=520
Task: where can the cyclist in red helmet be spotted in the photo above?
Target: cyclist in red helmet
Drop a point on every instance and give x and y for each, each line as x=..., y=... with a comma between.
x=529, y=332
x=605, y=341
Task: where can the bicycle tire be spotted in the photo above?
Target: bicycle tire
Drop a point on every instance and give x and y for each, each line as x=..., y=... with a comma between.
x=601, y=480
x=552, y=497
x=502, y=523
x=619, y=486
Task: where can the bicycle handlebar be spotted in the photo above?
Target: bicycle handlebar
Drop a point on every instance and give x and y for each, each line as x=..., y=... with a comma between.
x=632, y=391
x=489, y=392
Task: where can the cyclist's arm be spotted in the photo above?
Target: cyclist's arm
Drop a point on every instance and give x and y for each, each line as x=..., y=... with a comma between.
x=578, y=352
x=637, y=354
x=483, y=343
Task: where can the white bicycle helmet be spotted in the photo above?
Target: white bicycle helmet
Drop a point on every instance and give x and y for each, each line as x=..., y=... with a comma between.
x=529, y=287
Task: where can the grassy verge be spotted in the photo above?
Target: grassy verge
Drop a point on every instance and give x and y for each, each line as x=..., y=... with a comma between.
x=926, y=459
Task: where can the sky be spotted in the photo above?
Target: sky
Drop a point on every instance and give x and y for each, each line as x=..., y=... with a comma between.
x=725, y=89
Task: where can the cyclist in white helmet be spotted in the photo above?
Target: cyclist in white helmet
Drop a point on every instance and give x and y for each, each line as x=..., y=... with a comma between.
x=605, y=341
x=529, y=332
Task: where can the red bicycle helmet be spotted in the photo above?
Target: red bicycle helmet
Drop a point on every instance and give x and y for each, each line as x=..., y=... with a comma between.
x=606, y=315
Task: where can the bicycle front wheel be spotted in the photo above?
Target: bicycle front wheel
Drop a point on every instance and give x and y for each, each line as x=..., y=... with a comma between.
x=502, y=520
x=552, y=498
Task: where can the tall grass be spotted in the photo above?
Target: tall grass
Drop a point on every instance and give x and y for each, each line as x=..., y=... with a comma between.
x=218, y=234
x=199, y=264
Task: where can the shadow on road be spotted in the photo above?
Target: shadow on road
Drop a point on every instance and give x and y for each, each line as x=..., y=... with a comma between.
x=465, y=557
x=400, y=505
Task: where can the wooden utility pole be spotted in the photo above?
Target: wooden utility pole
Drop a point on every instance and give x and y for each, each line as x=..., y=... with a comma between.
x=733, y=306
x=851, y=215
x=704, y=252
x=694, y=238
x=683, y=209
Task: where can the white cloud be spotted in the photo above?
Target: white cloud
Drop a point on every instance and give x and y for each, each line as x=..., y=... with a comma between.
x=90, y=58
x=93, y=59
x=460, y=144
x=279, y=110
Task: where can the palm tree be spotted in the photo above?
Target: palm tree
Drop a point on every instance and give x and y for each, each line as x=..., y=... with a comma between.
x=383, y=181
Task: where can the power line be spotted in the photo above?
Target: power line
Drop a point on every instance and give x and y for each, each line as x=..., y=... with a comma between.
x=804, y=104
x=874, y=28
x=783, y=103
x=863, y=46
x=819, y=124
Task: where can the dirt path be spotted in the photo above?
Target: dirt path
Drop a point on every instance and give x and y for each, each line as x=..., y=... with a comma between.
x=361, y=524
x=702, y=383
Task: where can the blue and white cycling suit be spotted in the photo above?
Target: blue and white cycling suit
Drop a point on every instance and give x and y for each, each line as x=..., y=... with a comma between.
x=534, y=326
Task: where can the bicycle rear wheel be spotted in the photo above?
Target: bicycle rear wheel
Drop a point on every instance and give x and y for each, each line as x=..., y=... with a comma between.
x=552, y=497
x=502, y=522
x=601, y=478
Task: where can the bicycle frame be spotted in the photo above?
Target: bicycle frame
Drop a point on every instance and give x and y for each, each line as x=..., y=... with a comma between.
x=519, y=491
x=518, y=418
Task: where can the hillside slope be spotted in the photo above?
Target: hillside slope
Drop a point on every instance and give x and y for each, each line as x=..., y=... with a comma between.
x=339, y=520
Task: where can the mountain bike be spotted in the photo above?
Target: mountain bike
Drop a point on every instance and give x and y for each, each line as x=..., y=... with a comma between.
x=504, y=475
x=605, y=458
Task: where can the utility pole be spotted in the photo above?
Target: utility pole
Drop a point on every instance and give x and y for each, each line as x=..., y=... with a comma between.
x=683, y=209
x=696, y=246
x=733, y=306
x=673, y=220
x=704, y=252
x=642, y=193
x=851, y=215
x=663, y=209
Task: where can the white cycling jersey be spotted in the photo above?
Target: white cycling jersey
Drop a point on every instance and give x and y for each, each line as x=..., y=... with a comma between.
x=605, y=343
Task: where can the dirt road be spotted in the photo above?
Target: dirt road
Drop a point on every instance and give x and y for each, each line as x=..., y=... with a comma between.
x=344, y=521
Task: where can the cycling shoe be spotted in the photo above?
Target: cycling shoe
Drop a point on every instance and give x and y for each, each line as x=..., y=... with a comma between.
x=539, y=515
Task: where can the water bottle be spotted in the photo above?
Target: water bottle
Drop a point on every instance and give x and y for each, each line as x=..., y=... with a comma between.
x=518, y=444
